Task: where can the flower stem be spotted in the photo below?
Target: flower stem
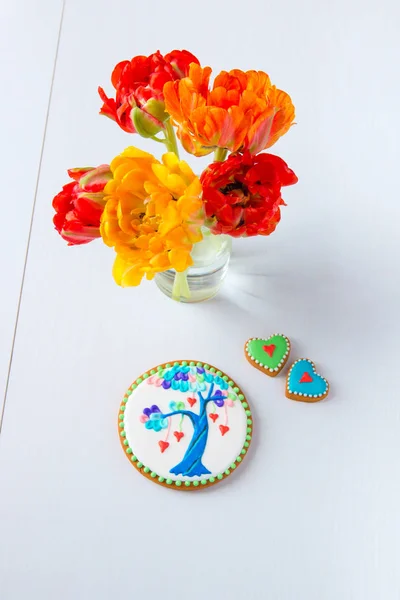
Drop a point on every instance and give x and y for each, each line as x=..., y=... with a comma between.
x=170, y=138
x=220, y=154
x=159, y=140
x=181, y=286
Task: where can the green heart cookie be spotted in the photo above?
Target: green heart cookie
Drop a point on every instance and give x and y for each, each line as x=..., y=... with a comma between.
x=269, y=355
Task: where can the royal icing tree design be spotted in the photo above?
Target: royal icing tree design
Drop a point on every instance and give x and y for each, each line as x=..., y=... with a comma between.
x=207, y=395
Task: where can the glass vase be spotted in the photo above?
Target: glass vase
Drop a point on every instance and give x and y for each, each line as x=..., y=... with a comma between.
x=204, y=278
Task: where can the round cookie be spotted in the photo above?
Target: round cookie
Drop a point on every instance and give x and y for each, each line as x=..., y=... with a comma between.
x=185, y=425
x=304, y=383
x=268, y=355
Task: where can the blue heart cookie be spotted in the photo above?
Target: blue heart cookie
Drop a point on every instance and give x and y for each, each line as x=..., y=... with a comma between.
x=304, y=383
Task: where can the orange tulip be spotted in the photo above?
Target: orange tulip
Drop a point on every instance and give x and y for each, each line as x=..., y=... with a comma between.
x=242, y=111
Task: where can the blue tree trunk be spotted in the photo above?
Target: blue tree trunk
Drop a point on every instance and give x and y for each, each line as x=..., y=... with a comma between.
x=191, y=464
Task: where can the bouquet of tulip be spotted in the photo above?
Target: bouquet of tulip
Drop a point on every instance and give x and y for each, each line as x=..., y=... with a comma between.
x=152, y=212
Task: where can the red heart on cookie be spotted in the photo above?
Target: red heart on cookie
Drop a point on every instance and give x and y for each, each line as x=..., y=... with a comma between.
x=269, y=349
x=306, y=378
x=223, y=429
x=179, y=435
x=163, y=445
x=192, y=401
x=213, y=416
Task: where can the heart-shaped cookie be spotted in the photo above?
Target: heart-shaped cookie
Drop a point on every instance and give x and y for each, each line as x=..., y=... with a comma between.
x=304, y=383
x=268, y=355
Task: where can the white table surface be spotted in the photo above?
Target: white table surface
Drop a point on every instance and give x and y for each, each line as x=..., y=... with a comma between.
x=313, y=512
x=28, y=45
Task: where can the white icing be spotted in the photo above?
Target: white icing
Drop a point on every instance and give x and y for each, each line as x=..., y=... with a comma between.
x=220, y=450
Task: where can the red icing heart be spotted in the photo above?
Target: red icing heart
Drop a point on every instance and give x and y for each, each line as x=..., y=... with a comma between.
x=163, y=445
x=306, y=378
x=269, y=349
x=223, y=429
x=213, y=416
x=192, y=401
x=179, y=435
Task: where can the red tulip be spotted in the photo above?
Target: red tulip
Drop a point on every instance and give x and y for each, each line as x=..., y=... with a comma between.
x=80, y=204
x=139, y=100
x=242, y=195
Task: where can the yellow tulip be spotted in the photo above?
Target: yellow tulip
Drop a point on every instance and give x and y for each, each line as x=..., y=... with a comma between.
x=153, y=215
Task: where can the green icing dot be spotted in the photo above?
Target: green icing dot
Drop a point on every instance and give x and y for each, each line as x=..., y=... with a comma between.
x=233, y=466
x=212, y=370
x=246, y=444
x=243, y=451
x=161, y=479
x=121, y=417
x=244, y=404
x=248, y=413
x=176, y=364
x=195, y=483
x=225, y=378
x=219, y=373
x=168, y=481
x=129, y=392
x=236, y=389
x=178, y=483
x=249, y=421
x=126, y=443
x=153, y=474
x=241, y=397
x=248, y=430
x=206, y=366
x=121, y=424
x=184, y=363
x=168, y=365
x=219, y=476
x=146, y=376
x=139, y=380
x=192, y=364
x=230, y=382
x=123, y=408
x=227, y=472
x=153, y=372
x=140, y=465
x=122, y=433
x=133, y=386
x=212, y=479
x=203, y=481
x=238, y=459
x=133, y=458
x=187, y=483
x=199, y=364
x=248, y=437
x=124, y=400
x=146, y=470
